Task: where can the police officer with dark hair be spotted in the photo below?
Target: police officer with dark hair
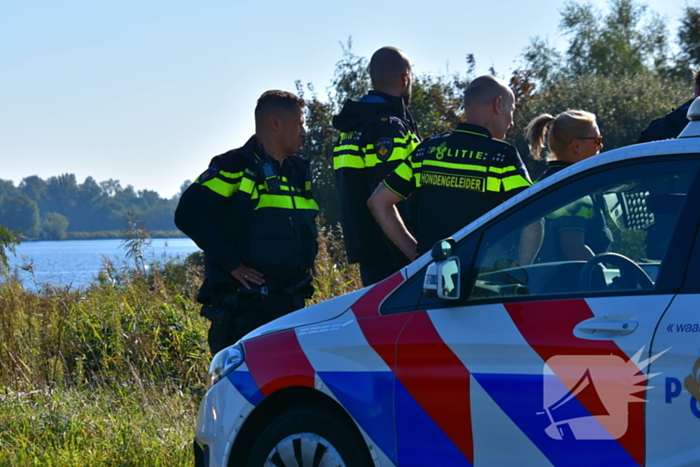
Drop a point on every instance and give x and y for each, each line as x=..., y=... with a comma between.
x=253, y=215
x=377, y=134
x=670, y=125
x=460, y=175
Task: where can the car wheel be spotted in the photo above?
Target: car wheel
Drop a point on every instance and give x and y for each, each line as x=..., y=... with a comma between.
x=308, y=437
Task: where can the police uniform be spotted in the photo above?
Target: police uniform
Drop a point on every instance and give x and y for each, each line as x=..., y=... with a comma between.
x=247, y=208
x=460, y=176
x=585, y=214
x=377, y=134
x=667, y=127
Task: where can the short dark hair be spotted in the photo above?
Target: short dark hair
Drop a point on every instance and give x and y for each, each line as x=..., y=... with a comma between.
x=277, y=100
x=696, y=74
x=386, y=67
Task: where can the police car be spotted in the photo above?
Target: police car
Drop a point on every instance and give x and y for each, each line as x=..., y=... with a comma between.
x=468, y=357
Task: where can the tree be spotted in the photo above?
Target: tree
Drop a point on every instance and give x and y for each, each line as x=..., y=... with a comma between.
x=318, y=149
x=61, y=194
x=20, y=214
x=689, y=38
x=34, y=187
x=53, y=226
x=7, y=187
x=436, y=103
x=111, y=187
x=626, y=40
x=351, y=79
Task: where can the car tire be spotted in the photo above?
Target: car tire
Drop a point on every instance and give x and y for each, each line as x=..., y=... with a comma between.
x=309, y=437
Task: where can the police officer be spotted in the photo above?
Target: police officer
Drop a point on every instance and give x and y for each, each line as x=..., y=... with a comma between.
x=579, y=230
x=253, y=215
x=671, y=124
x=377, y=134
x=460, y=175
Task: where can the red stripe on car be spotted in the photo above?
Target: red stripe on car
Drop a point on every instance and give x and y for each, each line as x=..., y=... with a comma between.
x=437, y=380
x=276, y=361
x=549, y=329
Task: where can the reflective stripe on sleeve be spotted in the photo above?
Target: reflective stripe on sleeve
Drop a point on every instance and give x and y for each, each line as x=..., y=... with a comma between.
x=221, y=187
x=451, y=165
x=515, y=181
x=268, y=200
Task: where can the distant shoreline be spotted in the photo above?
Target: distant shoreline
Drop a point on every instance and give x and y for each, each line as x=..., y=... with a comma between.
x=106, y=235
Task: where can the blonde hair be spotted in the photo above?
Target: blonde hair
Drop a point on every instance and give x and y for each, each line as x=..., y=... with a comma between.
x=565, y=127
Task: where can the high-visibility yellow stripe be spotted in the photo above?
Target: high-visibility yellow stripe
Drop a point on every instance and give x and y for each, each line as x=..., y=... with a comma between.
x=502, y=170
x=404, y=171
x=356, y=157
x=398, y=154
x=493, y=184
x=285, y=202
x=515, y=181
x=452, y=165
x=350, y=161
x=231, y=174
x=247, y=185
x=221, y=187
x=347, y=147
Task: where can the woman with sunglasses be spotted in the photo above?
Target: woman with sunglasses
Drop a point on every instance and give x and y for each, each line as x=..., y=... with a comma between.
x=579, y=230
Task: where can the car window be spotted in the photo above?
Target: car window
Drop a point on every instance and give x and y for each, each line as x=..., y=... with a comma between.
x=607, y=232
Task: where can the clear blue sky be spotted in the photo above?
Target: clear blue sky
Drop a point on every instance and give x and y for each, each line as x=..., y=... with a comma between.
x=146, y=92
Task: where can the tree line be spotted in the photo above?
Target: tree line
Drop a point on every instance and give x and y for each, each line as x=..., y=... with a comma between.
x=623, y=64
x=60, y=207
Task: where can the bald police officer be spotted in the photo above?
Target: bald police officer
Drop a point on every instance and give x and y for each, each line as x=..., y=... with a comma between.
x=460, y=175
x=376, y=135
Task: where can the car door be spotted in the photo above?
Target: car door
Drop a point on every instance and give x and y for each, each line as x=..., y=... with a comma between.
x=545, y=363
x=673, y=411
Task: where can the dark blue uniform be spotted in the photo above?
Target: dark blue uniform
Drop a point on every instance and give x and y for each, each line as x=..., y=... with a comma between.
x=247, y=208
x=377, y=134
x=459, y=176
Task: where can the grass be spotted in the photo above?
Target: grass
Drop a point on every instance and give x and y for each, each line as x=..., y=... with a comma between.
x=112, y=375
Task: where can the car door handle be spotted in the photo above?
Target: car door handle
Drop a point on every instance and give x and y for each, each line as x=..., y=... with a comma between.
x=620, y=327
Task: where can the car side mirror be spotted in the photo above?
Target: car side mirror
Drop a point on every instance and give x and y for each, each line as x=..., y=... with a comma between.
x=442, y=279
x=443, y=249
x=448, y=279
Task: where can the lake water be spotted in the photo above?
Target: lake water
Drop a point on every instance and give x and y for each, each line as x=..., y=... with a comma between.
x=77, y=262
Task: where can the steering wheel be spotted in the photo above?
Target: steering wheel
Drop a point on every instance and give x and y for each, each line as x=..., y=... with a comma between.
x=631, y=274
x=511, y=272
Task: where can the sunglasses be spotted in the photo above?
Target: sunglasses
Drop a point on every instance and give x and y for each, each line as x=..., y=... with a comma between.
x=598, y=140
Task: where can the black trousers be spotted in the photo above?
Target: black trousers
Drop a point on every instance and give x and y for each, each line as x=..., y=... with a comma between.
x=246, y=314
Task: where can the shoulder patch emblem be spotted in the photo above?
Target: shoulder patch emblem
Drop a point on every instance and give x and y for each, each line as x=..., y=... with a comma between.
x=208, y=174
x=384, y=147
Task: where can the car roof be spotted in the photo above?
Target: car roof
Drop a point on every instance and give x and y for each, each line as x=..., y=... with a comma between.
x=688, y=142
